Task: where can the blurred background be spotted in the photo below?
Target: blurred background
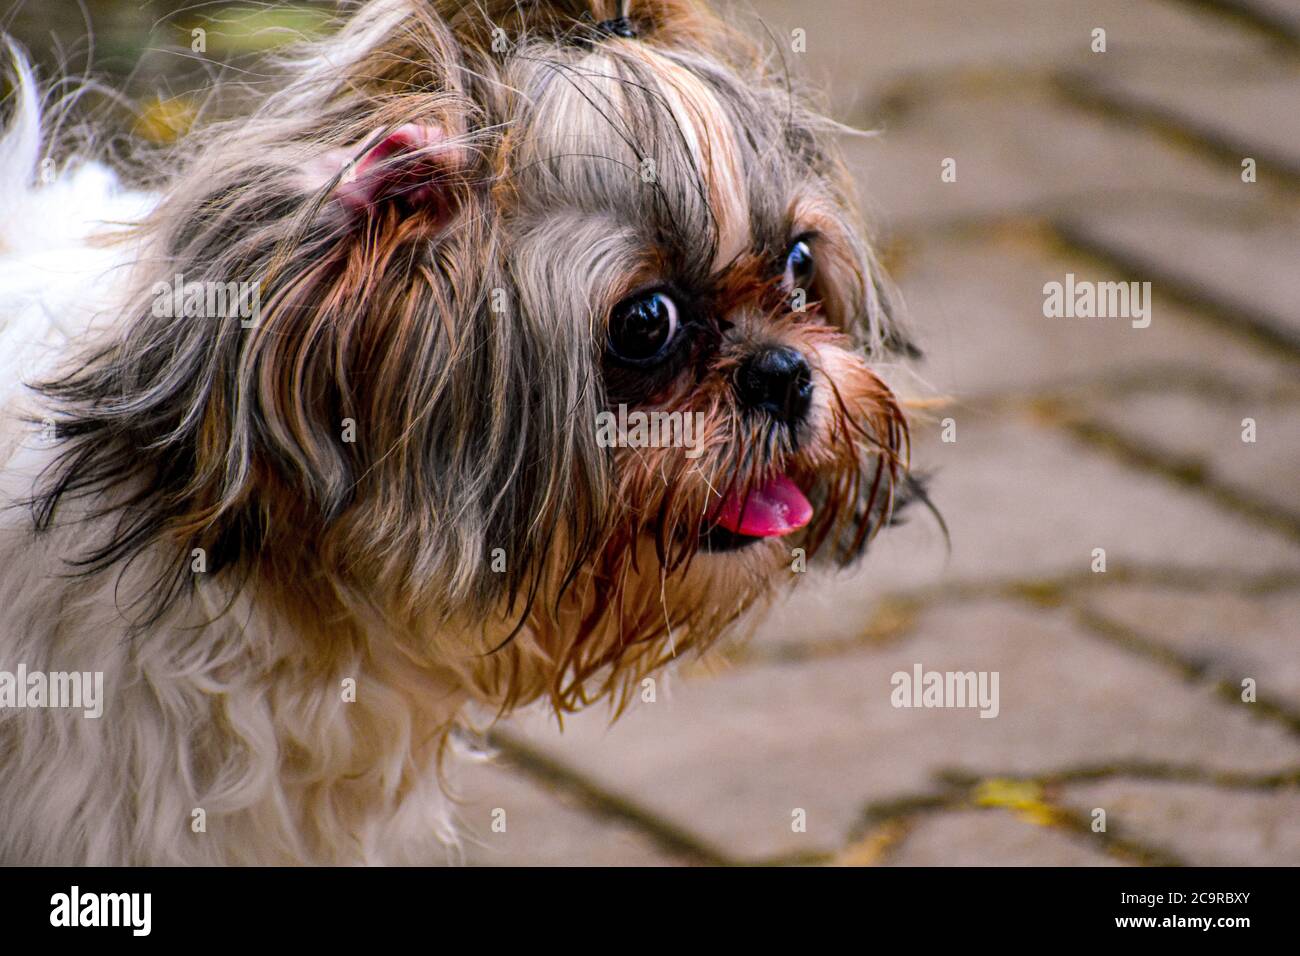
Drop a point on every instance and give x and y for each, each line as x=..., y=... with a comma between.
x=1164, y=690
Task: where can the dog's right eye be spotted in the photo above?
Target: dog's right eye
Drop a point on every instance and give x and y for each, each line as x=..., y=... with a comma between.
x=642, y=328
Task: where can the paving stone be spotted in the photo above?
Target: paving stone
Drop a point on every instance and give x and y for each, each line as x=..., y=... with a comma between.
x=880, y=42
x=1233, y=635
x=977, y=310
x=1020, y=152
x=1252, y=263
x=731, y=758
x=1204, y=825
x=992, y=838
x=1208, y=431
x=541, y=828
x=1254, y=103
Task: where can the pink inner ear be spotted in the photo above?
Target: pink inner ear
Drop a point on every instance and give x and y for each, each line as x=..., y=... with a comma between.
x=406, y=164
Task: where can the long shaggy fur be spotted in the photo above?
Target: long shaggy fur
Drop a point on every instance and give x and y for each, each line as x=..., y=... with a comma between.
x=184, y=513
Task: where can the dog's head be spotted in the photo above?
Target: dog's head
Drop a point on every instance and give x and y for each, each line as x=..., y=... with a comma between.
x=566, y=325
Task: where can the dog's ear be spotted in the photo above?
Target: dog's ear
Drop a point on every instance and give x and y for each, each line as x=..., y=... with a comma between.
x=415, y=165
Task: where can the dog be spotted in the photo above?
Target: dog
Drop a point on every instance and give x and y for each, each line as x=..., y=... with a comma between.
x=301, y=438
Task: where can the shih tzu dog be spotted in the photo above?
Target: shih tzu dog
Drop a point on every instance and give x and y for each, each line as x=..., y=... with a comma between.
x=301, y=446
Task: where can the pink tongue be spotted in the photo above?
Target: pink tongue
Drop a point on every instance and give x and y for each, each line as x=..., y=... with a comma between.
x=774, y=508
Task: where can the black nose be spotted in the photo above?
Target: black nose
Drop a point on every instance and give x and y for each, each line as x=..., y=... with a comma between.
x=776, y=380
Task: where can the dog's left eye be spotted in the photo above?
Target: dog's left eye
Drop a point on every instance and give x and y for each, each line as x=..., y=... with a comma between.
x=799, y=266
x=642, y=328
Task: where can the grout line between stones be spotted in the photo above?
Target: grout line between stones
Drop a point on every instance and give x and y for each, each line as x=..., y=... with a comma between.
x=895, y=613
x=1084, y=93
x=557, y=776
x=1197, y=297
x=1186, y=666
x=1253, y=17
x=1190, y=473
x=958, y=790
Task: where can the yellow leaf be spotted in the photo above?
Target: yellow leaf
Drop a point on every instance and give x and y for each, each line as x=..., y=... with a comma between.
x=165, y=120
x=1014, y=794
x=871, y=849
x=1023, y=797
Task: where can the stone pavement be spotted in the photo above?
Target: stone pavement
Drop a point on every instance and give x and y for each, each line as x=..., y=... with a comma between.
x=1119, y=691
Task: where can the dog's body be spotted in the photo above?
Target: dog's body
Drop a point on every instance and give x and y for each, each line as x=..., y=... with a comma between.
x=198, y=688
x=298, y=548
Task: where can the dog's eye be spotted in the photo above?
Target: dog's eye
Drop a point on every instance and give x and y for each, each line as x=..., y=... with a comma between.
x=799, y=266
x=642, y=328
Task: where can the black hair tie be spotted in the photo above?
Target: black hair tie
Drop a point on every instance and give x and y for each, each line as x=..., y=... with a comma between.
x=618, y=27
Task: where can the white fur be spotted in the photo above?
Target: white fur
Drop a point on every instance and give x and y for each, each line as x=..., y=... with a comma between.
x=203, y=711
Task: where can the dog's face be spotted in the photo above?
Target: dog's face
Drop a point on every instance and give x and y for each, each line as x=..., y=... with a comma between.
x=693, y=232
x=570, y=227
